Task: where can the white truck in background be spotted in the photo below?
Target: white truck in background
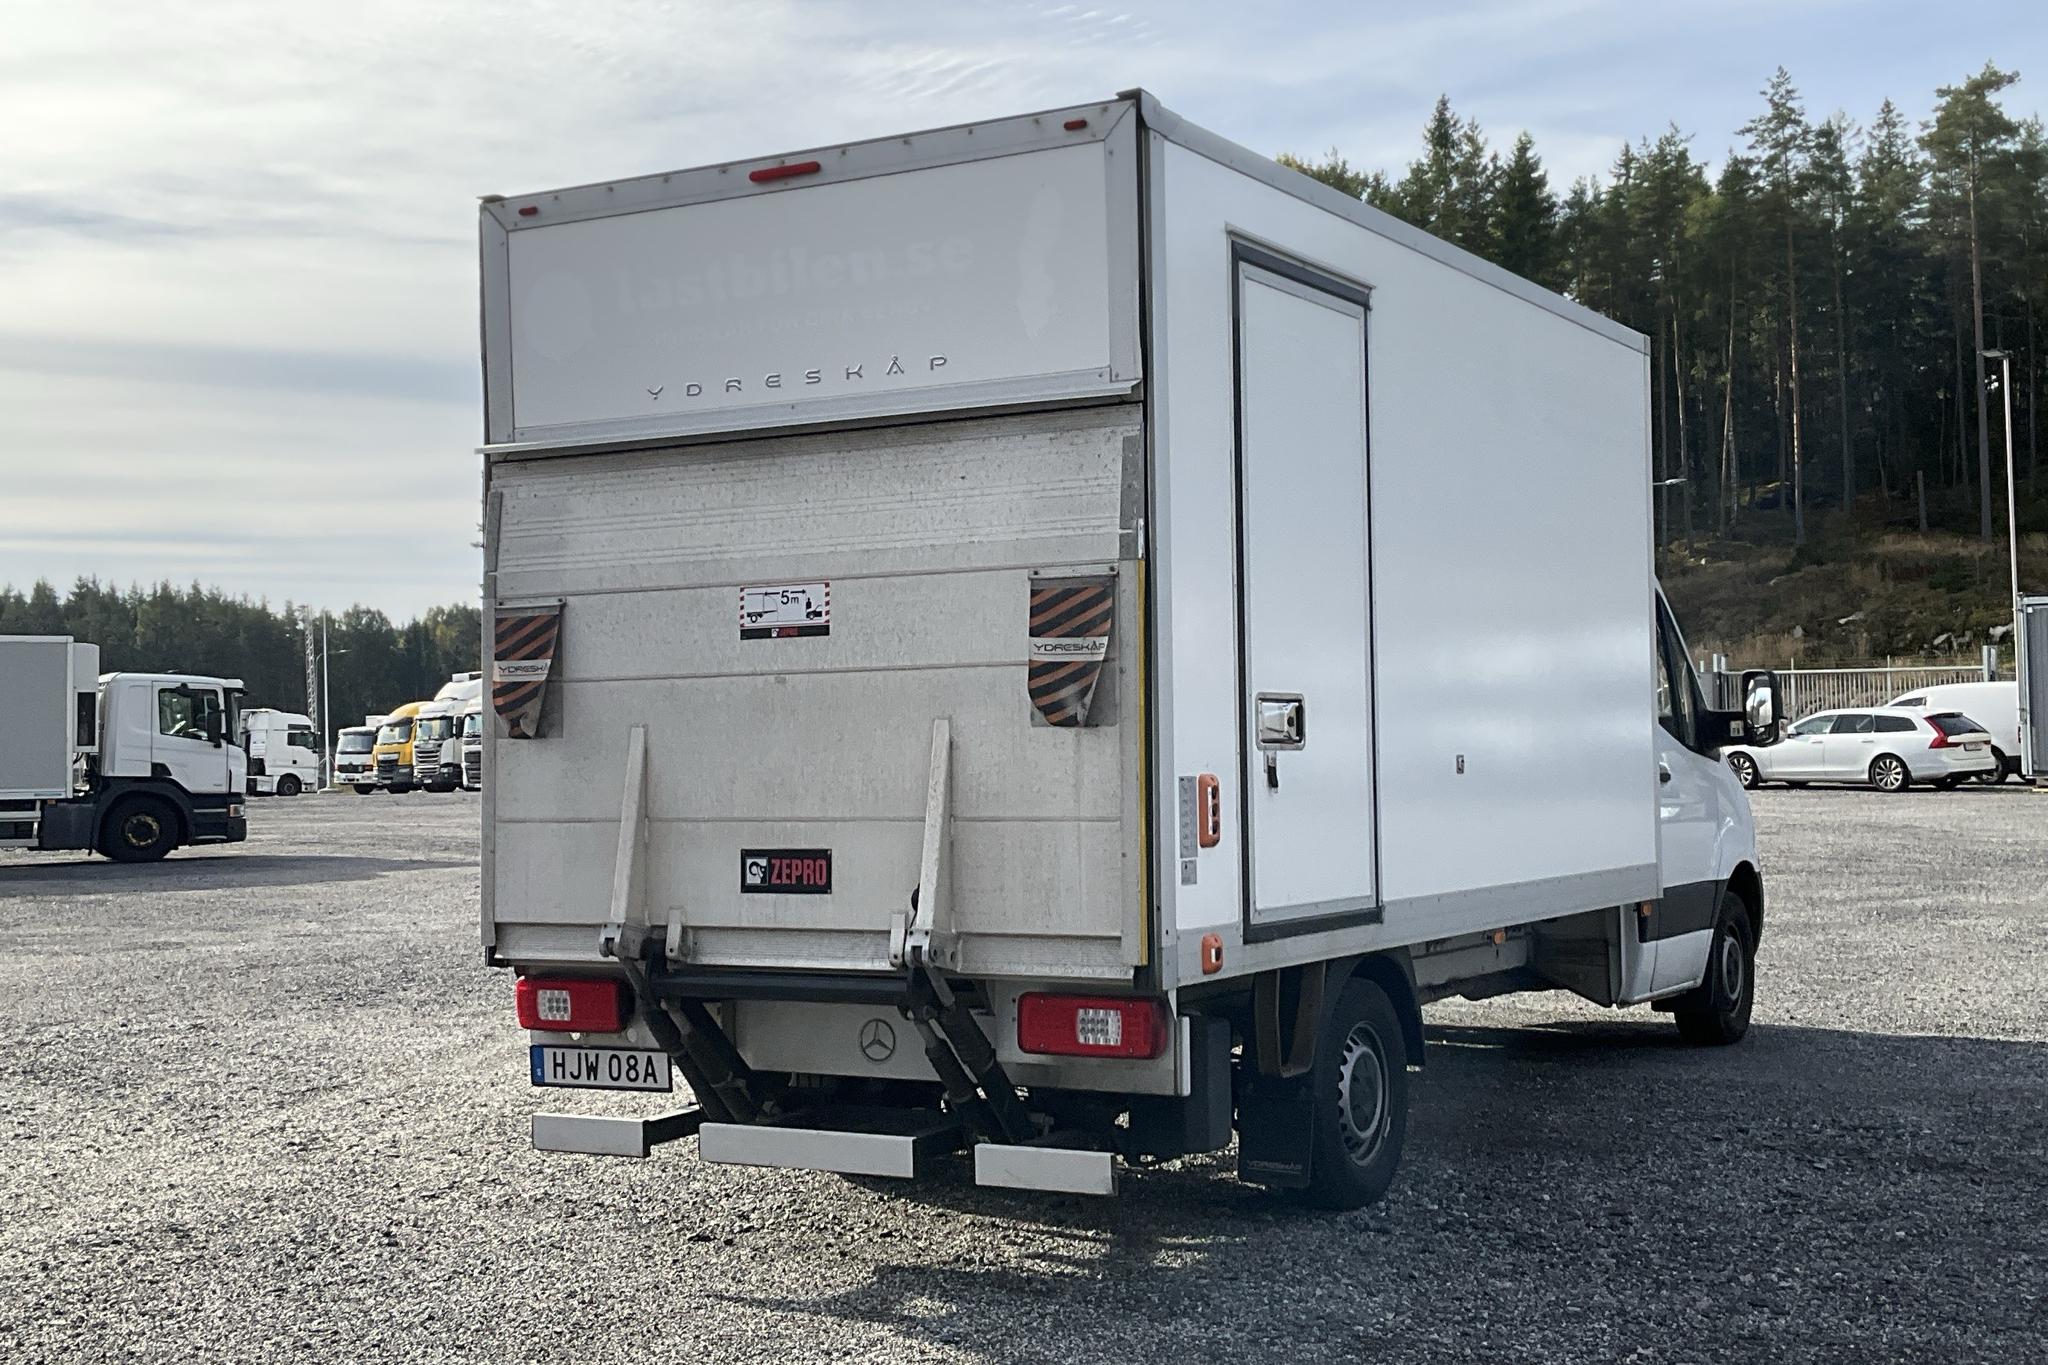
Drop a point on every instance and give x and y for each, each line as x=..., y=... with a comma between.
x=436, y=734
x=1136, y=625
x=283, y=750
x=354, y=765
x=470, y=729
x=131, y=765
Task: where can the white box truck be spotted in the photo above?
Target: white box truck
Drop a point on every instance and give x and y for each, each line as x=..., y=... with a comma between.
x=283, y=750
x=1052, y=640
x=131, y=765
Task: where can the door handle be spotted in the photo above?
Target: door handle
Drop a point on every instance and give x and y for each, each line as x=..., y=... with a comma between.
x=1663, y=773
x=1282, y=720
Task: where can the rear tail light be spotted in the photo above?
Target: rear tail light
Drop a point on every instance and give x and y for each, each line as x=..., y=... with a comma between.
x=1091, y=1026
x=571, y=1005
x=1940, y=739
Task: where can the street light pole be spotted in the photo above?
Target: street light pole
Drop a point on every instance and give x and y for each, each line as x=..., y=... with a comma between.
x=2012, y=515
x=326, y=716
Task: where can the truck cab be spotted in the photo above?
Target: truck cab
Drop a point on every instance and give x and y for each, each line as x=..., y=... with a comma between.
x=353, y=765
x=283, y=751
x=437, y=745
x=392, y=756
x=470, y=730
x=131, y=765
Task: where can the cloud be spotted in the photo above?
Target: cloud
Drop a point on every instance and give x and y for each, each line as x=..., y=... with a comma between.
x=237, y=262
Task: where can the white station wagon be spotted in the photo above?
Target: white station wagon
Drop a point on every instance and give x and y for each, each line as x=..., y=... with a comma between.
x=1887, y=747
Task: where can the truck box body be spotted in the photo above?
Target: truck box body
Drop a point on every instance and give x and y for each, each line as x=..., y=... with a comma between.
x=709, y=384
x=51, y=685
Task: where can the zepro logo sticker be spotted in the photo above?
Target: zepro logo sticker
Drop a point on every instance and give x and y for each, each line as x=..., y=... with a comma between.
x=786, y=871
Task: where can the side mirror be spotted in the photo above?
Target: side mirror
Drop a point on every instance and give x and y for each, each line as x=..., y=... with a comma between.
x=1762, y=707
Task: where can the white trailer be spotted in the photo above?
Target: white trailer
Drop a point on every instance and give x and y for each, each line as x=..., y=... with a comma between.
x=131, y=765
x=1056, y=637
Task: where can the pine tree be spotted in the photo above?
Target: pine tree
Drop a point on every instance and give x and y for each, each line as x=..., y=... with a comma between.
x=1525, y=216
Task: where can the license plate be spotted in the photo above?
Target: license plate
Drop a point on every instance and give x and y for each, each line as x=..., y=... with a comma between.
x=600, y=1068
x=1973, y=748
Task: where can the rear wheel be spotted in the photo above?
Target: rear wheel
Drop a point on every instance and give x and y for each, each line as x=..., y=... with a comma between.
x=1946, y=784
x=1716, y=1013
x=365, y=788
x=288, y=785
x=1745, y=770
x=1888, y=773
x=1997, y=774
x=1360, y=1114
x=139, y=829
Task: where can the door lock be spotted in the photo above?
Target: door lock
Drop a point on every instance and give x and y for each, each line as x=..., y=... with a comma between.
x=1282, y=720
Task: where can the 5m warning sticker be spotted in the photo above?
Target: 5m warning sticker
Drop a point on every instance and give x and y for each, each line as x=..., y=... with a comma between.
x=783, y=611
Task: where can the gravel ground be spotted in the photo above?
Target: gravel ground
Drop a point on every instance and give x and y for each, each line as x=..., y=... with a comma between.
x=267, y=1104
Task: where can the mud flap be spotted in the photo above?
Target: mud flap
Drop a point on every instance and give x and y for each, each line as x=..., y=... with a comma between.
x=1276, y=1129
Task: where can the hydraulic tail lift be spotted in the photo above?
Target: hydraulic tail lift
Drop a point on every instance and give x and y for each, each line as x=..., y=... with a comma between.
x=746, y=1117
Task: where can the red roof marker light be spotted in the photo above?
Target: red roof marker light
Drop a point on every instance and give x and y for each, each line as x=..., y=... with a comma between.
x=529, y=210
x=1075, y=125
x=794, y=168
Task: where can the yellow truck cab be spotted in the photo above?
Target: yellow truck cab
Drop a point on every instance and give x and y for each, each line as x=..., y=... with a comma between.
x=392, y=758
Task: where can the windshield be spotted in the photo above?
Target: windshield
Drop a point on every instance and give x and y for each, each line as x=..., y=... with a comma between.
x=355, y=742
x=433, y=728
x=473, y=725
x=397, y=732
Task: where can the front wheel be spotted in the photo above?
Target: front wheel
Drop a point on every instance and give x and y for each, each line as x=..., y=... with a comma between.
x=288, y=785
x=1745, y=770
x=366, y=788
x=140, y=829
x=1888, y=773
x=1360, y=1112
x=1716, y=1012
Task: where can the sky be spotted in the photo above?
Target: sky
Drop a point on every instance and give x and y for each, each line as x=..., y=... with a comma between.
x=237, y=240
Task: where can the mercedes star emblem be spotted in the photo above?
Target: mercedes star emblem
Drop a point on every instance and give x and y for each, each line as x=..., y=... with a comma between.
x=877, y=1040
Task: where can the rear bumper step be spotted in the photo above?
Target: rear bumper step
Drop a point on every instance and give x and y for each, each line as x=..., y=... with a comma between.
x=1062, y=1169
x=592, y=1135
x=902, y=1148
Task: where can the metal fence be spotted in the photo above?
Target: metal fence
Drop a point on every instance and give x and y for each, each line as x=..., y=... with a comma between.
x=1807, y=690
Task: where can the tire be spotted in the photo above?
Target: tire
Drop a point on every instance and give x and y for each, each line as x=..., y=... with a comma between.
x=1889, y=773
x=1946, y=784
x=139, y=829
x=1717, y=1012
x=1360, y=1112
x=366, y=789
x=1997, y=774
x=1745, y=771
x=288, y=785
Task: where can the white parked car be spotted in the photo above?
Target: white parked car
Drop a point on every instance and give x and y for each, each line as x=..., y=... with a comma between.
x=1889, y=748
x=1993, y=705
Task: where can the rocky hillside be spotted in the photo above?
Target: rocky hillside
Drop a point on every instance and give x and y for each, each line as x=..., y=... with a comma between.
x=1850, y=593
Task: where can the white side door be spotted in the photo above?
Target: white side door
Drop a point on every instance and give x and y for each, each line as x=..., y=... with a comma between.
x=1801, y=755
x=1691, y=791
x=1304, y=580
x=1848, y=747
x=190, y=725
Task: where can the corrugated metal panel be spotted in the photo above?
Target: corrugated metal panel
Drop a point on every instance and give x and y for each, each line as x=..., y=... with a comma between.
x=928, y=538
